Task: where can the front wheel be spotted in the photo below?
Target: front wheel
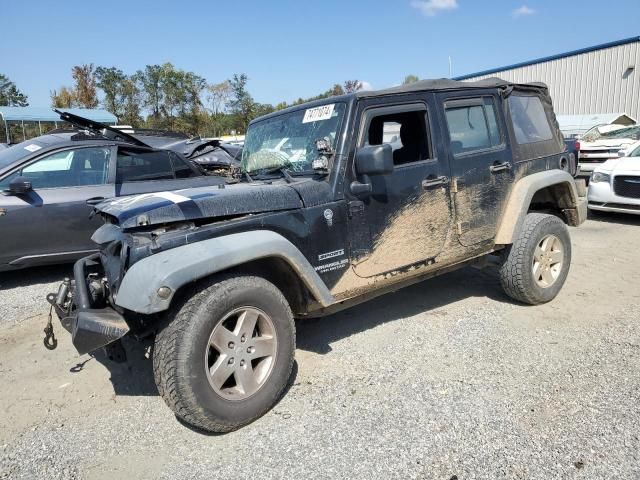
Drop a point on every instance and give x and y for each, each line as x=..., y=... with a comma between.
x=536, y=265
x=226, y=357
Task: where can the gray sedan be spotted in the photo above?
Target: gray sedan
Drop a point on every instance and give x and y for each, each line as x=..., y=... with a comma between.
x=51, y=183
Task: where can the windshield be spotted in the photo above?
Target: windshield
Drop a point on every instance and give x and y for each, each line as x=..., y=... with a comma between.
x=289, y=140
x=603, y=132
x=16, y=152
x=631, y=132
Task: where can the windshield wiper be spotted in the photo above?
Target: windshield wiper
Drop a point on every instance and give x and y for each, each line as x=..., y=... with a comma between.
x=284, y=170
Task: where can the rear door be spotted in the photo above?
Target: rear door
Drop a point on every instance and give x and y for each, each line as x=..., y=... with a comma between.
x=145, y=171
x=51, y=223
x=481, y=164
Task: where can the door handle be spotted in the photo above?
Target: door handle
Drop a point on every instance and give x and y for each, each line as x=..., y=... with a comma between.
x=500, y=167
x=95, y=200
x=434, y=182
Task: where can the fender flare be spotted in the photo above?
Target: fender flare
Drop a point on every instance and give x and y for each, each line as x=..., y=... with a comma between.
x=520, y=198
x=174, y=268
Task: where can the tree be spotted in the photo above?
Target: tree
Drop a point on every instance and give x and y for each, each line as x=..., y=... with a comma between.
x=151, y=80
x=410, y=79
x=219, y=95
x=241, y=104
x=62, y=98
x=111, y=81
x=131, y=99
x=10, y=96
x=336, y=90
x=351, y=86
x=85, y=87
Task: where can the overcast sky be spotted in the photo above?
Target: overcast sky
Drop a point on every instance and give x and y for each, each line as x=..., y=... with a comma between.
x=292, y=49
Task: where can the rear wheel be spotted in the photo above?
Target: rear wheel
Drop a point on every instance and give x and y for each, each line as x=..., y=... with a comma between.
x=226, y=357
x=536, y=265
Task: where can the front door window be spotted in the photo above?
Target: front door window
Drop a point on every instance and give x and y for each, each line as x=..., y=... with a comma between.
x=69, y=168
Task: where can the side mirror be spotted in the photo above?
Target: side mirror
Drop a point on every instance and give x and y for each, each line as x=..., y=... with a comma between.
x=19, y=186
x=374, y=160
x=622, y=153
x=371, y=160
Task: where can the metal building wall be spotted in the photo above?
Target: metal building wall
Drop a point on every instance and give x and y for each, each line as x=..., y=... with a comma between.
x=592, y=82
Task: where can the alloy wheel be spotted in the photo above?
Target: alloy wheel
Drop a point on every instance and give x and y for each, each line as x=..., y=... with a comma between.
x=548, y=259
x=241, y=353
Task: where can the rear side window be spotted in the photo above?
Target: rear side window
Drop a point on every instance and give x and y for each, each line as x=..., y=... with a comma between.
x=181, y=169
x=530, y=123
x=143, y=166
x=473, y=125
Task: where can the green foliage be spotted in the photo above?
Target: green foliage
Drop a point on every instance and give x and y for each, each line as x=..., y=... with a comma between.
x=241, y=106
x=410, y=79
x=111, y=81
x=173, y=99
x=10, y=96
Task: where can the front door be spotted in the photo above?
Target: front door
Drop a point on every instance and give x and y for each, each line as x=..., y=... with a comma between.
x=408, y=212
x=52, y=222
x=480, y=164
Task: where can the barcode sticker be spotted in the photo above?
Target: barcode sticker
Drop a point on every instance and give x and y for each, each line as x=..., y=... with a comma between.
x=318, y=113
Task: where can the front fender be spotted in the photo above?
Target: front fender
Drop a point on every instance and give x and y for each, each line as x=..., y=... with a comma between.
x=174, y=268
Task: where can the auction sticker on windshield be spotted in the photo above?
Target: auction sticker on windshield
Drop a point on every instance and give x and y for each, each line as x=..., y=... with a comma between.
x=318, y=113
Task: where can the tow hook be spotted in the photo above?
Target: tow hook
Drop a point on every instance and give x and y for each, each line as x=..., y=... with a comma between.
x=49, y=341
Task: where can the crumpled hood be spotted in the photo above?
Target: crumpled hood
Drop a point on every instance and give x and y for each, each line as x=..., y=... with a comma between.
x=607, y=143
x=200, y=203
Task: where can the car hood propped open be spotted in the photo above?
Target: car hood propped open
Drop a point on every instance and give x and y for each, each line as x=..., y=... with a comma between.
x=199, y=203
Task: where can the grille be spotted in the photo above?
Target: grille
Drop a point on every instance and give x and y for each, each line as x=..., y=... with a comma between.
x=598, y=156
x=627, y=186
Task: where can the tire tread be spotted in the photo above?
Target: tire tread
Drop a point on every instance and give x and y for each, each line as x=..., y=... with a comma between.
x=514, y=269
x=166, y=356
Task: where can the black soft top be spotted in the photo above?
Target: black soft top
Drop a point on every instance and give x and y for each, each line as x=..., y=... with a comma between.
x=440, y=84
x=447, y=84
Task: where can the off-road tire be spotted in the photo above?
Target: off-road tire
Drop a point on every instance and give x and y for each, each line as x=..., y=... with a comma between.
x=516, y=271
x=178, y=358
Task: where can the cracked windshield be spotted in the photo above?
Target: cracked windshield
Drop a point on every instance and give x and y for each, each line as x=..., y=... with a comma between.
x=289, y=140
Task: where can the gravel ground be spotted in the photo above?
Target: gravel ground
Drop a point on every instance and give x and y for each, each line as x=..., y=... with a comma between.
x=24, y=291
x=445, y=379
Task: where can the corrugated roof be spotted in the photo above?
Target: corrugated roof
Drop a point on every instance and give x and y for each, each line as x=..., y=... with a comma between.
x=550, y=58
x=48, y=115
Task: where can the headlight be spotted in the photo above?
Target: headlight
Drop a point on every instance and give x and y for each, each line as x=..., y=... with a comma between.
x=600, y=177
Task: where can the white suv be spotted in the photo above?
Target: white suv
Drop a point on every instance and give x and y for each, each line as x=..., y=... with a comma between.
x=615, y=185
x=603, y=143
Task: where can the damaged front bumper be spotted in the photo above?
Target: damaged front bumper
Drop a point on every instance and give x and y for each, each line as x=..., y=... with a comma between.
x=91, y=328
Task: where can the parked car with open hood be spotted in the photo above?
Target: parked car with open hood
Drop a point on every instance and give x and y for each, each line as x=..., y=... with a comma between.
x=213, y=156
x=603, y=143
x=50, y=185
x=615, y=185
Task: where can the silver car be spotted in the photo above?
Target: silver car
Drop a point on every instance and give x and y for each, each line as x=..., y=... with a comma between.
x=51, y=183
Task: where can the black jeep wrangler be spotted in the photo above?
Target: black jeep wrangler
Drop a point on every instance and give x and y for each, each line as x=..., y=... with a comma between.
x=337, y=201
